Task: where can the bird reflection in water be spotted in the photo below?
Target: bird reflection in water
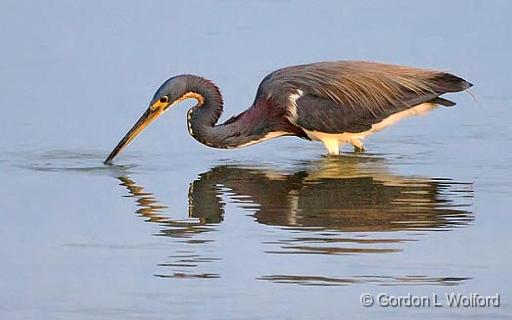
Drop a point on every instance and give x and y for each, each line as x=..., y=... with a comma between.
x=332, y=206
x=151, y=210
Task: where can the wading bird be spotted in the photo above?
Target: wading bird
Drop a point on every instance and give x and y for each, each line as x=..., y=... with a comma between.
x=335, y=102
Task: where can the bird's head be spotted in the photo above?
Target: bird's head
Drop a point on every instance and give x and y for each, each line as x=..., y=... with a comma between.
x=169, y=94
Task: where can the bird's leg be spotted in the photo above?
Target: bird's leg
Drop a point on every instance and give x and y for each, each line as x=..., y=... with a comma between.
x=358, y=145
x=332, y=146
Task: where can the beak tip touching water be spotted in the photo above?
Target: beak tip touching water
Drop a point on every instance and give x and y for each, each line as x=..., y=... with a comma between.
x=111, y=156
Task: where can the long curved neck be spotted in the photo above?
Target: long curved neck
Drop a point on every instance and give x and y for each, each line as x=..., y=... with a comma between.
x=202, y=118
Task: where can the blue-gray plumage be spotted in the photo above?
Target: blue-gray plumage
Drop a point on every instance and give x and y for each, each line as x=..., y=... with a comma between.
x=333, y=102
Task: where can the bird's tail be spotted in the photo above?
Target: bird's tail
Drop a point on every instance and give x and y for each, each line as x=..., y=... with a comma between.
x=443, y=102
x=446, y=82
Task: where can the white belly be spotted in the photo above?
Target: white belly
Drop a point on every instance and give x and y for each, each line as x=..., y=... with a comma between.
x=332, y=141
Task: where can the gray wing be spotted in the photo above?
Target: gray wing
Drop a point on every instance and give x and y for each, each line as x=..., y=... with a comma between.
x=350, y=96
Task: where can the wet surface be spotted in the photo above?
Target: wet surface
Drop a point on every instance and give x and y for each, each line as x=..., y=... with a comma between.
x=332, y=206
x=274, y=231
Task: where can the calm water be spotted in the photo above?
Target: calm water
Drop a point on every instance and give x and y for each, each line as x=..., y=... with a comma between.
x=176, y=230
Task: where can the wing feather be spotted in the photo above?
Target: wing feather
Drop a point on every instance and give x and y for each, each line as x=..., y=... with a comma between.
x=360, y=92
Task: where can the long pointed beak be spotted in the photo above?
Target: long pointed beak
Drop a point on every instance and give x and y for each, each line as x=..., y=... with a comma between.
x=148, y=117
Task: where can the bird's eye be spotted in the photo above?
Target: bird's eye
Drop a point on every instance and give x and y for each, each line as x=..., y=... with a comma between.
x=164, y=99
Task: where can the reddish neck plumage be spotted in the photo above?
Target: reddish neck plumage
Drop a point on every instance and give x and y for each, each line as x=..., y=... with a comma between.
x=251, y=126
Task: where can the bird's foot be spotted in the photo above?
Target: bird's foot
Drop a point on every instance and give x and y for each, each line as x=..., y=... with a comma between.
x=358, y=145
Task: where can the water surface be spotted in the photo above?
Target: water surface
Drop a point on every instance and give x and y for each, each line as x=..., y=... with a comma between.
x=176, y=230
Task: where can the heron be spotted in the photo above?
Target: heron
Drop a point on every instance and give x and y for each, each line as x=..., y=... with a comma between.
x=334, y=102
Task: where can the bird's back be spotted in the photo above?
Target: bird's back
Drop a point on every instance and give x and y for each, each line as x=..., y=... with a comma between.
x=361, y=84
x=327, y=99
